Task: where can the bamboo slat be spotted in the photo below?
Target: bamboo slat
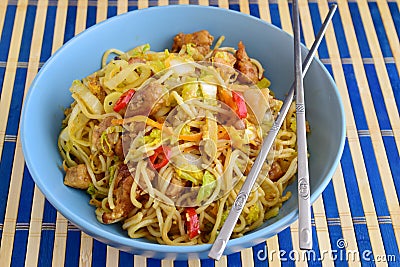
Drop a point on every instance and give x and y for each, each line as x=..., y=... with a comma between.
x=244, y=6
x=11, y=69
x=60, y=235
x=140, y=261
x=85, y=258
x=246, y=256
x=167, y=263
x=122, y=6
x=163, y=2
x=273, y=251
x=35, y=228
x=223, y=3
x=10, y=219
x=203, y=2
x=112, y=257
x=194, y=263
x=223, y=262
x=263, y=8
x=143, y=4
x=3, y=8
x=346, y=221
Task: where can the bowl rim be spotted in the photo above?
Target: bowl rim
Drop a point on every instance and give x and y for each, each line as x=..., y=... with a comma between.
x=117, y=240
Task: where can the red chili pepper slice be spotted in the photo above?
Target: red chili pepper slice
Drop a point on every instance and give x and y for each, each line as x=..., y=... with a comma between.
x=160, y=158
x=192, y=222
x=241, y=104
x=124, y=99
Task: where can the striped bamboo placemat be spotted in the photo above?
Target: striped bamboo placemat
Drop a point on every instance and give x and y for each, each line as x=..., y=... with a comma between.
x=355, y=222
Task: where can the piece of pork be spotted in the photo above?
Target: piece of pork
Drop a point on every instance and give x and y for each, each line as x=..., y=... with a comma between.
x=176, y=188
x=77, y=177
x=112, y=138
x=244, y=65
x=146, y=101
x=122, y=196
x=202, y=40
x=275, y=172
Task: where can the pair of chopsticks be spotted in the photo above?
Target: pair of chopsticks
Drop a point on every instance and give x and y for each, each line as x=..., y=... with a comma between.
x=305, y=232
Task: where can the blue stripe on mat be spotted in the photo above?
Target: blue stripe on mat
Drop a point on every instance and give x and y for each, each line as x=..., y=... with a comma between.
x=335, y=231
x=5, y=170
x=16, y=101
x=234, y=7
x=285, y=246
x=73, y=248
x=254, y=11
x=132, y=7
x=394, y=159
x=70, y=23
x=5, y=39
x=206, y=263
x=49, y=213
x=153, y=262
x=180, y=264
x=2, y=73
x=111, y=11
x=260, y=255
x=394, y=81
x=355, y=99
x=91, y=16
x=359, y=30
x=350, y=180
x=316, y=21
x=234, y=260
x=26, y=196
x=99, y=253
x=27, y=34
x=340, y=36
x=377, y=97
x=394, y=9
x=380, y=29
x=46, y=248
x=275, y=17
x=126, y=259
x=19, y=248
x=47, y=43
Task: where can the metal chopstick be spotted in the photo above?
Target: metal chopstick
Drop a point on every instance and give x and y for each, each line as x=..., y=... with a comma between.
x=220, y=243
x=303, y=181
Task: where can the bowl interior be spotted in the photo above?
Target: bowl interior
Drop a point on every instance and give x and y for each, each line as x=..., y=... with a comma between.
x=49, y=95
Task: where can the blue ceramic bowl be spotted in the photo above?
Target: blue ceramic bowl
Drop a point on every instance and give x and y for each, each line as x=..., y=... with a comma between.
x=49, y=95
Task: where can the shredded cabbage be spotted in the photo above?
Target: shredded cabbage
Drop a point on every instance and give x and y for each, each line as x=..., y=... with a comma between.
x=92, y=103
x=207, y=186
x=190, y=173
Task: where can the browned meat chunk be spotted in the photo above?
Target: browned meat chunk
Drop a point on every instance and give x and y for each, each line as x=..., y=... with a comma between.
x=147, y=100
x=94, y=85
x=122, y=196
x=119, y=150
x=77, y=177
x=223, y=57
x=112, y=138
x=244, y=65
x=275, y=172
x=202, y=40
x=176, y=187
